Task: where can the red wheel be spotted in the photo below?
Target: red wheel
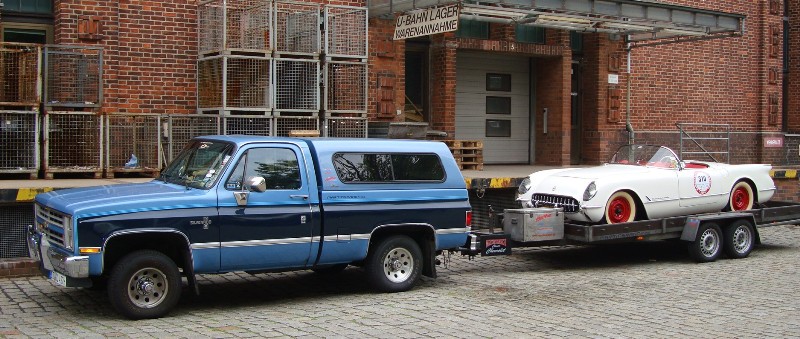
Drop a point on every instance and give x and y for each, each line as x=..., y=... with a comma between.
x=741, y=197
x=620, y=208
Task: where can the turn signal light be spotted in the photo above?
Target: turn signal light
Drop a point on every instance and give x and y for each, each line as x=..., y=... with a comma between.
x=90, y=250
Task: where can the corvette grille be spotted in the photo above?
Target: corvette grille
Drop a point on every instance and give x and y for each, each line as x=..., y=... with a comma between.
x=570, y=205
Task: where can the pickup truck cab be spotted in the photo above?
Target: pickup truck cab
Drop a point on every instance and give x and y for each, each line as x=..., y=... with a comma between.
x=257, y=204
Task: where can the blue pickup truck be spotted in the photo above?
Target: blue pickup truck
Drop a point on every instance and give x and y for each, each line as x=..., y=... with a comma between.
x=257, y=204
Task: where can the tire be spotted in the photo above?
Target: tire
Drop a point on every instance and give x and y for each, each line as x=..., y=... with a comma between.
x=620, y=208
x=330, y=270
x=739, y=239
x=708, y=245
x=144, y=284
x=742, y=197
x=394, y=264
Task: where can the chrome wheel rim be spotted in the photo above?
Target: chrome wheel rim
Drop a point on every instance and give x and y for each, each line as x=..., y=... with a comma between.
x=147, y=288
x=741, y=239
x=709, y=243
x=398, y=265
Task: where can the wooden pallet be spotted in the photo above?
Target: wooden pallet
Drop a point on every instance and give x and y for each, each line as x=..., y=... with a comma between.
x=468, y=153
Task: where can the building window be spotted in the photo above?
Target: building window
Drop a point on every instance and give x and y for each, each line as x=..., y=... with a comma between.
x=498, y=82
x=27, y=33
x=498, y=128
x=29, y=6
x=530, y=34
x=498, y=105
x=472, y=29
x=576, y=41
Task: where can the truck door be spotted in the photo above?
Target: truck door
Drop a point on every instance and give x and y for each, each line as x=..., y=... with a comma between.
x=273, y=230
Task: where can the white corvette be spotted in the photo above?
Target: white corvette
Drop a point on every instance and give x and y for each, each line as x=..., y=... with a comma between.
x=647, y=182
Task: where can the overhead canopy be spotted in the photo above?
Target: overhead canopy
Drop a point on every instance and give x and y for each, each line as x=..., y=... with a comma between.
x=643, y=22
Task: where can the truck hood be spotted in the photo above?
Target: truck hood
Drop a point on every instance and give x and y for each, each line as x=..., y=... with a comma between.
x=123, y=198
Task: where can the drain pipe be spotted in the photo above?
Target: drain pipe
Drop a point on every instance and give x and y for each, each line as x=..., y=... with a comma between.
x=628, y=126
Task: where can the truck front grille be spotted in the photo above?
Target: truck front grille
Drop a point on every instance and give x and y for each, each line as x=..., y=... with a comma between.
x=55, y=224
x=569, y=204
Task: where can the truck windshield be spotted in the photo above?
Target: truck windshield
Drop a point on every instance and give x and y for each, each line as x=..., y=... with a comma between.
x=198, y=165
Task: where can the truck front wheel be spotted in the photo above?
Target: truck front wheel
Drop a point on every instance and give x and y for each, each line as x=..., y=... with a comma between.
x=708, y=245
x=394, y=264
x=144, y=284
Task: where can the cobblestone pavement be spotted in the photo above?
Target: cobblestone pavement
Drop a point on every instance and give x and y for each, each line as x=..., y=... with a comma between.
x=634, y=290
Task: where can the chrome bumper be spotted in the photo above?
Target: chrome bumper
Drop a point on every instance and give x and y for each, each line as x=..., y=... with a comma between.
x=40, y=250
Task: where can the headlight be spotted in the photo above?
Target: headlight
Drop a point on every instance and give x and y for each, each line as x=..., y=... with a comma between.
x=590, y=191
x=525, y=186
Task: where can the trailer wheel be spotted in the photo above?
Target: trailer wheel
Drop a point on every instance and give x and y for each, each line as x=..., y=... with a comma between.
x=394, y=264
x=144, y=284
x=741, y=197
x=708, y=245
x=620, y=208
x=739, y=239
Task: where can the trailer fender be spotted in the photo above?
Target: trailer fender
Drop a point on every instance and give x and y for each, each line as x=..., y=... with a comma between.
x=723, y=219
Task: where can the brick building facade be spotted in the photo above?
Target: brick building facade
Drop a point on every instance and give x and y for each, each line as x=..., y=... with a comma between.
x=151, y=50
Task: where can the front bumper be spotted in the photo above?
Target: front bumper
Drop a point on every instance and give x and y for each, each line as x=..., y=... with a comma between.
x=74, y=268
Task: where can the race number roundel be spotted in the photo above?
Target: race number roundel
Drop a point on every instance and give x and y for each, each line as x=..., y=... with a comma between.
x=702, y=182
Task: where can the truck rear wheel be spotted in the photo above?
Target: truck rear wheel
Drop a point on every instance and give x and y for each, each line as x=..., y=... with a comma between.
x=708, y=245
x=739, y=239
x=394, y=264
x=144, y=284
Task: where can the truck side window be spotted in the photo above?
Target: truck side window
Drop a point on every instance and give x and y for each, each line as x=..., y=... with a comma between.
x=278, y=166
x=390, y=167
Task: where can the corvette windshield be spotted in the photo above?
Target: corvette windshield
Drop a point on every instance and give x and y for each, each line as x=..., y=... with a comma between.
x=198, y=165
x=645, y=155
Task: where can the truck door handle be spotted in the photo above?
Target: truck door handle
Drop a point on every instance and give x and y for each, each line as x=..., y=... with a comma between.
x=299, y=196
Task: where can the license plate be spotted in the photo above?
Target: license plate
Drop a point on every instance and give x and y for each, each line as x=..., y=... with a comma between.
x=58, y=278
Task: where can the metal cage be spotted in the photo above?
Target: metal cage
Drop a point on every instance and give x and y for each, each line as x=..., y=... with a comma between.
x=180, y=128
x=239, y=25
x=20, y=80
x=247, y=125
x=346, y=31
x=297, y=27
x=346, y=127
x=73, y=76
x=19, y=142
x=285, y=126
x=235, y=83
x=346, y=87
x=132, y=143
x=73, y=143
x=297, y=85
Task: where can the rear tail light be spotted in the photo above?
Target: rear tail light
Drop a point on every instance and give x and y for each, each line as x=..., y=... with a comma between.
x=468, y=221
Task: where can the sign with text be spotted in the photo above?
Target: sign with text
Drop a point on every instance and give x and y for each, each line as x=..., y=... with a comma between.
x=773, y=141
x=426, y=22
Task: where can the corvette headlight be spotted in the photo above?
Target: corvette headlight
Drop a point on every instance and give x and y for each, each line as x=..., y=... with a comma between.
x=525, y=186
x=590, y=191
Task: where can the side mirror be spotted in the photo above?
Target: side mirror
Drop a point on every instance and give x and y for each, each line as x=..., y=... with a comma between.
x=681, y=165
x=256, y=184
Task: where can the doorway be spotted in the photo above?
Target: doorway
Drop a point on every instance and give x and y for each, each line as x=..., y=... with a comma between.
x=416, y=102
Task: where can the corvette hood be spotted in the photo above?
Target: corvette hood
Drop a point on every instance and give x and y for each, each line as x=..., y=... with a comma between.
x=598, y=172
x=123, y=198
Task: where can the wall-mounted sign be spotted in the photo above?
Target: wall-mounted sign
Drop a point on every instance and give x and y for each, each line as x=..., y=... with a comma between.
x=773, y=141
x=613, y=79
x=426, y=22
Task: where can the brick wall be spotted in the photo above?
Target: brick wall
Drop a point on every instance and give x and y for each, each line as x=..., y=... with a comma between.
x=150, y=51
x=793, y=106
x=386, y=91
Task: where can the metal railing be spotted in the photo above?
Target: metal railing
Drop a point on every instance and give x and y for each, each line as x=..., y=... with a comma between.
x=710, y=140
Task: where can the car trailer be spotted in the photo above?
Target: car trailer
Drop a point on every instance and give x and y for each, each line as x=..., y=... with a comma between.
x=707, y=235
